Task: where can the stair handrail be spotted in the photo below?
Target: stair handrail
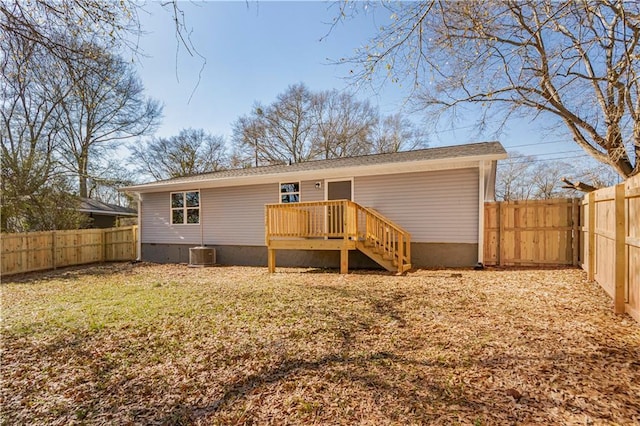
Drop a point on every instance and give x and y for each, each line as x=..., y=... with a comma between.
x=377, y=214
x=403, y=250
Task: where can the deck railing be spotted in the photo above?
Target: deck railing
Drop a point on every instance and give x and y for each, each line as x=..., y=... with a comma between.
x=340, y=219
x=333, y=219
x=386, y=237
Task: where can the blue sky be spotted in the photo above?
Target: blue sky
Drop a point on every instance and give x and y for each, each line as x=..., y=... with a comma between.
x=254, y=50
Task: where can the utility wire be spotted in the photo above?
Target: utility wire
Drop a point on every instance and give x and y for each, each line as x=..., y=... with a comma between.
x=540, y=160
x=538, y=143
x=545, y=153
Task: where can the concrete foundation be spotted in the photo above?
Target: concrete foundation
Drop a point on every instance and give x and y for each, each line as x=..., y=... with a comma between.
x=425, y=255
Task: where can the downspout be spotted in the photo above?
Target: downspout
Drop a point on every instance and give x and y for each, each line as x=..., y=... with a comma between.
x=481, y=177
x=201, y=218
x=139, y=243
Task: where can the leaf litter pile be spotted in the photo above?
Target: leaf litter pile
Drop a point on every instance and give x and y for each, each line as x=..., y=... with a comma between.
x=168, y=344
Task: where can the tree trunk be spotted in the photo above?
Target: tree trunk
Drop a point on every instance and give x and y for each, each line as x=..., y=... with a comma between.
x=82, y=175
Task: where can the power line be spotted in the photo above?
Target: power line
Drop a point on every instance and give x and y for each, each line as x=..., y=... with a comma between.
x=511, y=146
x=546, y=153
x=540, y=160
x=538, y=143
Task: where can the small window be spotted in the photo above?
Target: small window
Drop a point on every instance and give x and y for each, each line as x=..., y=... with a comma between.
x=185, y=207
x=290, y=192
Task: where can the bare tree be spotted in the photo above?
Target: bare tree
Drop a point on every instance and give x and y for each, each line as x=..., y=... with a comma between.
x=343, y=124
x=289, y=126
x=32, y=187
x=574, y=62
x=280, y=132
x=514, y=178
x=250, y=139
x=547, y=180
x=526, y=177
x=302, y=125
x=49, y=25
x=105, y=105
x=395, y=133
x=191, y=152
x=28, y=113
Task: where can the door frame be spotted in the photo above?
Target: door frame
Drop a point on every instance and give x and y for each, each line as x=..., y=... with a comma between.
x=326, y=186
x=326, y=196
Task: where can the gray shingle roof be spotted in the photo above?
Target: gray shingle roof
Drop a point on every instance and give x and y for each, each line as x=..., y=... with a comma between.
x=95, y=206
x=438, y=153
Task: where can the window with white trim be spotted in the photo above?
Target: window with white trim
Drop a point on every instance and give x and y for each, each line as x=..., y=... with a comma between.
x=290, y=192
x=185, y=207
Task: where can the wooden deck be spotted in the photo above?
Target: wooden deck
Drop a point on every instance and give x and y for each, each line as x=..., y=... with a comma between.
x=336, y=225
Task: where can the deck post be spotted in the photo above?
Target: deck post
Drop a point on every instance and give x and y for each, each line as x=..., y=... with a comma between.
x=344, y=261
x=271, y=260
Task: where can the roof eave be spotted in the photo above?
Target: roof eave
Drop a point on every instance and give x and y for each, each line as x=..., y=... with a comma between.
x=106, y=213
x=361, y=170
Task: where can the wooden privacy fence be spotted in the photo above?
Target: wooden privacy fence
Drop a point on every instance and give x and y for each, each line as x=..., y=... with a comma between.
x=36, y=251
x=610, y=243
x=531, y=233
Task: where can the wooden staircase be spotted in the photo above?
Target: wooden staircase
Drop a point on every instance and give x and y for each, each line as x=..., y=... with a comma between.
x=384, y=241
x=337, y=225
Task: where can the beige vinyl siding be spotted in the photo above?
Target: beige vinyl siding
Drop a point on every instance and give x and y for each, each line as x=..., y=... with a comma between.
x=308, y=191
x=156, y=224
x=435, y=207
x=235, y=215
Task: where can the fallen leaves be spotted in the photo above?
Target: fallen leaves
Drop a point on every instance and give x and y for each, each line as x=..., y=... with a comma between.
x=167, y=344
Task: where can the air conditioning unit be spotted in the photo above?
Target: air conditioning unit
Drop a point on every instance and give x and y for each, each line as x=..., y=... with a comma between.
x=202, y=256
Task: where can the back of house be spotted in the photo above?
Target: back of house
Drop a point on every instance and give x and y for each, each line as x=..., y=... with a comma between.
x=436, y=194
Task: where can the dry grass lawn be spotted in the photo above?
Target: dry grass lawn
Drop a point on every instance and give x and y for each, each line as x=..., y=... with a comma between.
x=153, y=344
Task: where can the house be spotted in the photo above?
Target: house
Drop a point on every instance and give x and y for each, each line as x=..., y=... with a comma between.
x=420, y=208
x=105, y=215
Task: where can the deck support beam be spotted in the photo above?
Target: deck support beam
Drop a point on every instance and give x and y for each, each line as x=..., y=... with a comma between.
x=271, y=260
x=344, y=261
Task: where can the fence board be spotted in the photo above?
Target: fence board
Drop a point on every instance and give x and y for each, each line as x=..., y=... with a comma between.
x=615, y=232
x=536, y=232
x=36, y=251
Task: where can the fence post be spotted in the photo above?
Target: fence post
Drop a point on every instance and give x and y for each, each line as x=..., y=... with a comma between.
x=53, y=249
x=620, y=257
x=575, y=233
x=103, y=239
x=500, y=252
x=592, y=236
x=25, y=253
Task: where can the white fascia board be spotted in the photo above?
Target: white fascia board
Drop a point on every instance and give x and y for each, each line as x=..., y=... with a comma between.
x=330, y=173
x=104, y=213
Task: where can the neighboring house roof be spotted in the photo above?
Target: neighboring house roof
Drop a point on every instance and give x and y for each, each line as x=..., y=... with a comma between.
x=396, y=162
x=88, y=205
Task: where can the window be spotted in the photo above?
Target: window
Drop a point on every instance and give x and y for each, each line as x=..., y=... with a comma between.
x=185, y=207
x=290, y=192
